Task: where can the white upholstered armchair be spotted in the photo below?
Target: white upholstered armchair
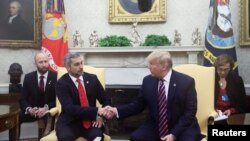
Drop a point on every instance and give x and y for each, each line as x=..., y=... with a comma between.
x=204, y=84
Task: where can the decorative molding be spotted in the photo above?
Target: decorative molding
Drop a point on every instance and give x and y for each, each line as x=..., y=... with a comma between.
x=4, y=88
x=119, y=14
x=244, y=23
x=127, y=57
x=139, y=49
x=131, y=61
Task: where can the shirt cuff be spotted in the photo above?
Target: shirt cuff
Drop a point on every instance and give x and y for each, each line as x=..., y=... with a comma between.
x=117, y=114
x=46, y=106
x=27, y=110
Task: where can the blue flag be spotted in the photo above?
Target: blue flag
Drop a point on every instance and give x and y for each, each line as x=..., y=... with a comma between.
x=219, y=37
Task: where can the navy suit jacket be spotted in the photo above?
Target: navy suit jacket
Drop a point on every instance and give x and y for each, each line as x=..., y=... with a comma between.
x=30, y=92
x=67, y=93
x=181, y=104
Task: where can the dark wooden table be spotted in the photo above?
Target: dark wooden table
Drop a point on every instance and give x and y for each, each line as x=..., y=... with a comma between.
x=239, y=119
x=9, y=120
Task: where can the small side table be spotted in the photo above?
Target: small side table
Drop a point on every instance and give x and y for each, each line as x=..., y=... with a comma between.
x=9, y=120
x=239, y=119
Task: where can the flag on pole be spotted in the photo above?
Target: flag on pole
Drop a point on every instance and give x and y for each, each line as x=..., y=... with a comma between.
x=219, y=37
x=55, y=36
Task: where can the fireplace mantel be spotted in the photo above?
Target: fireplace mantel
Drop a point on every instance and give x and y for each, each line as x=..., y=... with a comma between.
x=128, y=66
x=125, y=57
x=137, y=49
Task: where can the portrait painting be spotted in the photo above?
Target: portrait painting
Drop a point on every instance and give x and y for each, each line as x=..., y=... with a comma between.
x=20, y=23
x=244, y=23
x=124, y=11
x=131, y=6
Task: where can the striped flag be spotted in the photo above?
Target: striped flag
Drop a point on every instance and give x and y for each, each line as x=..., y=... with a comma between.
x=219, y=37
x=55, y=36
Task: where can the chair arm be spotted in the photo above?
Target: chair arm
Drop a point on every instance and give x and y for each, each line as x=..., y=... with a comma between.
x=50, y=120
x=53, y=111
x=48, y=125
x=211, y=117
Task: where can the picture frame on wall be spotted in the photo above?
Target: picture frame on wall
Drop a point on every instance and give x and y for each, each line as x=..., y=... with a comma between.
x=244, y=23
x=127, y=11
x=20, y=23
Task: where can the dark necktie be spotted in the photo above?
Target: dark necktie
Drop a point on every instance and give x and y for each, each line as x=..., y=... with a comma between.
x=83, y=101
x=162, y=105
x=41, y=84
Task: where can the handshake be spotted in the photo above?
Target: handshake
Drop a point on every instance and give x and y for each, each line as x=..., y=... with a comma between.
x=107, y=112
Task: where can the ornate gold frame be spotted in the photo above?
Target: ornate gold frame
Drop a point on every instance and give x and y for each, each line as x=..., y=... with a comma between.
x=244, y=23
x=36, y=42
x=117, y=14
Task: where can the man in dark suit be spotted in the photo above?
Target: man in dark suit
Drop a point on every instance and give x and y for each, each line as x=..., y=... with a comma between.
x=14, y=27
x=171, y=99
x=77, y=92
x=38, y=91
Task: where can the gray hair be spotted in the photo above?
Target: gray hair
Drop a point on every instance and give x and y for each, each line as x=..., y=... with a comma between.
x=163, y=57
x=69, y=56
x=18, y=4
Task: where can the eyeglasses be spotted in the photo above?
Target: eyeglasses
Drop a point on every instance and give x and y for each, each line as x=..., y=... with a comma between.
x=223, y=69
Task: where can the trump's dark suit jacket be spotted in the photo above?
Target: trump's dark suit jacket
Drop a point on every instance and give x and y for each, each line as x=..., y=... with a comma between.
x=181, y=103
x=67, y=93
x=30, y=92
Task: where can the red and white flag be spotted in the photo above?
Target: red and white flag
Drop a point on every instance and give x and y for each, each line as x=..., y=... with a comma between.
x=55, y=36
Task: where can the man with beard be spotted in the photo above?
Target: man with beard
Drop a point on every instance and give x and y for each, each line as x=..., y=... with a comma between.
x=77, y=92
x=38, y=91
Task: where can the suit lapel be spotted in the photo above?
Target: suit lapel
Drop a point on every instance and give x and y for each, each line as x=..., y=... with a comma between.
x=171, y=91
x=155, y=96
x=73, y=86
x=48, y=82
x=34, y=85
x=86, y=84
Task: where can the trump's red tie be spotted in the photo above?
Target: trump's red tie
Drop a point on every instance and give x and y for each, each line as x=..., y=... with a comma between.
x=83, y=101
x=162, y=105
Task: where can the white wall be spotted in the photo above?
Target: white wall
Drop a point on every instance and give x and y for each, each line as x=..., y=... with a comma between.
x=89, y=15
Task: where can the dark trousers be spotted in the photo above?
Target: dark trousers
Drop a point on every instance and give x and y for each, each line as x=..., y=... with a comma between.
x=73, y=131
x=145, y=133
x=150, y=133
x=27, y=118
